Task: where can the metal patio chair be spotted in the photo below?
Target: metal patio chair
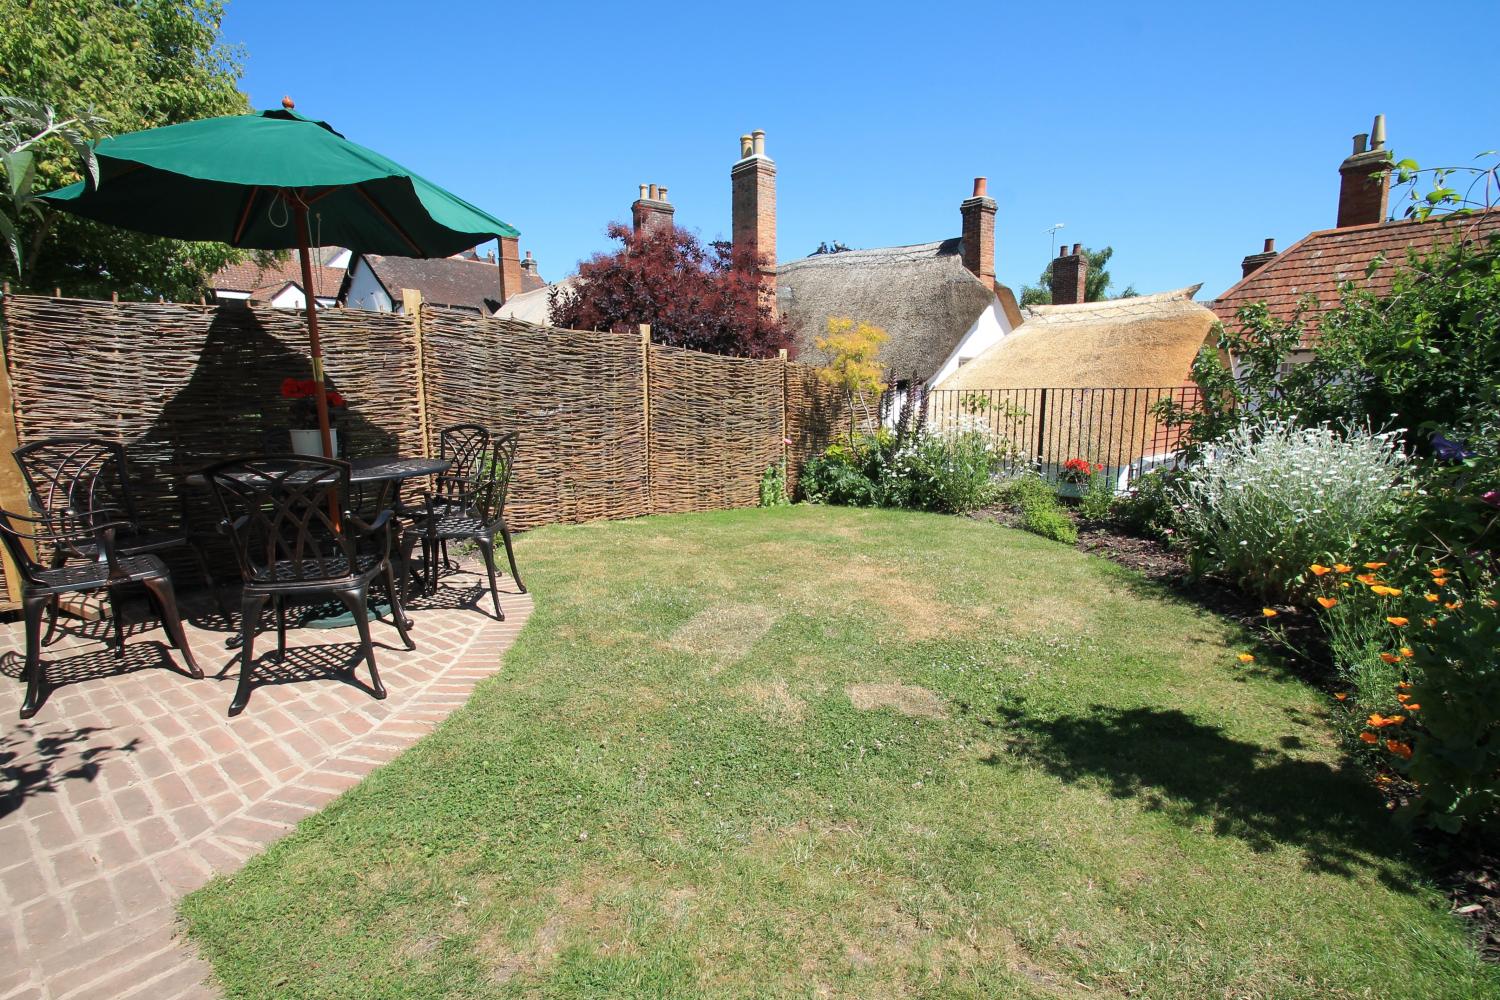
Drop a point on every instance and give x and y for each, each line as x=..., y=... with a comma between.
x=291, y=546
x=82, y=538
x=474, y=511
x=70, y=477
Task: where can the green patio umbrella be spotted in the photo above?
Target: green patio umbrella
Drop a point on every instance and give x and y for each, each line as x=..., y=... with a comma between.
x=260, y=181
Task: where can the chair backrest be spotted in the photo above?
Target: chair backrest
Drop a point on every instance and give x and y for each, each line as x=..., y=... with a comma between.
x=492, y=479
x=69, y=477
x=463, y=445
x=285, y=517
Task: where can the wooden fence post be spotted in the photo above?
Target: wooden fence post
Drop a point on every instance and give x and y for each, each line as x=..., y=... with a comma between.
x=411, y=298
x=645, y=329
x=12, y=487
x=786, y=431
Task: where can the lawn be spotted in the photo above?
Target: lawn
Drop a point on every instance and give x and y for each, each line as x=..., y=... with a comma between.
x=810, y=752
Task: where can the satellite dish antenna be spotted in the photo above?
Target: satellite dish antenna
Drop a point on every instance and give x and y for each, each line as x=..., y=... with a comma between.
x=1053, y=233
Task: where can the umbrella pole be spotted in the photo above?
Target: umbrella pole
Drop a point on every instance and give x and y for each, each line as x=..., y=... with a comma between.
x=320, y=393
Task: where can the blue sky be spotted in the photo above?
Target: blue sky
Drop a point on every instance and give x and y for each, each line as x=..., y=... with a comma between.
x=1182, y=134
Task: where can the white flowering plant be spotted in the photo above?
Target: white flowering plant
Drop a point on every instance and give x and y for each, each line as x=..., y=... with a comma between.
x=1272, y=498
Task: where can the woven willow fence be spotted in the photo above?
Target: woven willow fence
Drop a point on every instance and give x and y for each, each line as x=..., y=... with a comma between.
x=611, y=426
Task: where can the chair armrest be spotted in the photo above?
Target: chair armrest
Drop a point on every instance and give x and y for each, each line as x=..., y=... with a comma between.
x=382, y=520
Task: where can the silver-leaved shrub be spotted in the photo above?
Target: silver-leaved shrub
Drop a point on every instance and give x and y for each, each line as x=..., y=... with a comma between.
x=1272, y=498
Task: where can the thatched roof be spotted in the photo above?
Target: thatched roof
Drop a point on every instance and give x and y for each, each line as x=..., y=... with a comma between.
x=922, y=296
x=1149, y=340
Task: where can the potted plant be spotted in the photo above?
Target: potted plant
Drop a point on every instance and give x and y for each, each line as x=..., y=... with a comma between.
x=1075, y=476
x=303, y=393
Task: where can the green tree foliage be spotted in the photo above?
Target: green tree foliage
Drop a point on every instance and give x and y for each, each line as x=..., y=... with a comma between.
x=1095, y=284
x=134, y=64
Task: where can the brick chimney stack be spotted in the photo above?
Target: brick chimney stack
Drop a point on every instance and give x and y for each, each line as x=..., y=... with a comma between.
x=510, y=268
x=528, y=265
x=1255, y=261
x=753, y=179
x=1070, y=275
x=979, y=233
x=1365, y=180
x=651, y=212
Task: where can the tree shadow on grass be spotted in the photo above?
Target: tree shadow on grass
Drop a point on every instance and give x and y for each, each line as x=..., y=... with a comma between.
x=1193, y=772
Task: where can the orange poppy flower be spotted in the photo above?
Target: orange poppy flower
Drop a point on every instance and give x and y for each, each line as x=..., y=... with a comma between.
x=1403, y=698
x=1390, y=657
x=1400, y=749
x=1319, y=570
x=1269, y=612
x=1489, y=602
x=1368, y=579
x=1397, y=621
x=1432, y=598
x=1438, y=571
x=1412, y=706
x=1246, y=658
x=1440, y=581
x=1429, y=622
x=1369, y=737
x=1374, y=565
x=1452, y=605
x=1406, y=652
x=1385, y=591
x=1345, y=585
x=1381, y=721
x=1342, y=567
x=1403, y=685
x=1327, y=602
x=1341, y=695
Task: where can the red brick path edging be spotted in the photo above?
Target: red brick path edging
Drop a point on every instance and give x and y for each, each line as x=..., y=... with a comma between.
x=132, y=788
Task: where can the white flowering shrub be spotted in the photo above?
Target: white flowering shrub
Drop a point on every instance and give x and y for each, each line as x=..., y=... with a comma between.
x=1274, y=498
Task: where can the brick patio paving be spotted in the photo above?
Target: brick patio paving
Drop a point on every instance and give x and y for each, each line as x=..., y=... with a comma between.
x=131, y=787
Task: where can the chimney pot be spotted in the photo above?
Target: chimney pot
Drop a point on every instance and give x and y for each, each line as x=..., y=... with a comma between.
x=528, y=254
x=980, y=187
x=1364, y=180
x=1062, y=251
x=747, y=147
x=1270, y=245
x=758, y=141
x=1077, y=249
x=652, y=195
x=643, y=192
x=663, y=192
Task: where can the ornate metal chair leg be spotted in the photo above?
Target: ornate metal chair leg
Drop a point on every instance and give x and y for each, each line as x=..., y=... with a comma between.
x=398, y=613
x=280, y=603
x=357, y=601
x=487, y=549
x=54, y=605
x=36, y=680
x=166, y=600
x=115, y=609
x=250, y=609
x=510, y=554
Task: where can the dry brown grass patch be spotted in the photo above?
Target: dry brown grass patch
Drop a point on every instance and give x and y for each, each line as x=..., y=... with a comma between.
x=775, y=700
x=908, y=699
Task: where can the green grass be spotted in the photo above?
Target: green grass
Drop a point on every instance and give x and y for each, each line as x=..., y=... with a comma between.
x=688, y=781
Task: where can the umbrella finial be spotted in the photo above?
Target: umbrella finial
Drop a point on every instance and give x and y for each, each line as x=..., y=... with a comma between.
x=288, y=103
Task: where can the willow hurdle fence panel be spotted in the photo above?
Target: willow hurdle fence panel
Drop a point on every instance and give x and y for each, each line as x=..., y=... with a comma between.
x=576, y=398
x=181, y=386
x=716, y=427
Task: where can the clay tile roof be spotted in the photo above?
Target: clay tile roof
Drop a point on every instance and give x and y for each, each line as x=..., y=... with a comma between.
x=922, y=296
x=247, y=277
x=1320, y=262
x=454, y=282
